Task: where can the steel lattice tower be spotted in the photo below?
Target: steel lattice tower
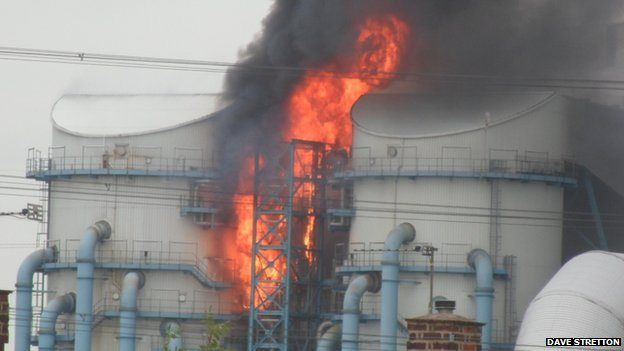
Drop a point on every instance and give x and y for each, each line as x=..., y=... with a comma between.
x=288, y=191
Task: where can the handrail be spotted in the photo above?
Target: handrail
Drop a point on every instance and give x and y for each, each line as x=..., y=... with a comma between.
x=215, y=305
x=139, y=256
x=360, y=254
x=92, y=162
x=522, y=165
x=105, y=160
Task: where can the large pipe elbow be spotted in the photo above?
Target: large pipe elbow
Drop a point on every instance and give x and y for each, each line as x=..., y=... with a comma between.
x=47, y=328
x=96, y=233
x=85, y=261
x=23, y=299
x=132, y=283
x=328, y=336
x=481, y=262
x=351, y=308
x=171, y=331
x=31, y=264
x=356, y=289
x=400, y=235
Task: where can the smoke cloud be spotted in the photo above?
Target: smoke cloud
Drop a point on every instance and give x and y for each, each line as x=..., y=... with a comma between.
x=492, y=37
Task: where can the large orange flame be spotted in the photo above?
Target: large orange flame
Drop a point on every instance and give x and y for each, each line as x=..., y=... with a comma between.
x=320, y=105
x=318, y=109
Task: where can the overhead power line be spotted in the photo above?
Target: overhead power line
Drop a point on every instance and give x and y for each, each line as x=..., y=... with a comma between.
x=175, y=64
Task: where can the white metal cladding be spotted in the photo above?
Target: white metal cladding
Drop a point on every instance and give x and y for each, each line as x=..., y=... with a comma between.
x=453, y=215
x=535, y=127
x=521, y=133
x=144, y=212
x=114, y=115
x=582, y=300
x=192, y=144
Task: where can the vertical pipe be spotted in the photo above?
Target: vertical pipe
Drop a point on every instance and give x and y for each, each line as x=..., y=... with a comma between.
x=172, y=332
x=481, y=262
x=328, y=337
x=351, y=308
x=23, y=299
x=401, y=235
x=85, y=261
x=59, y=305
x=132, y=282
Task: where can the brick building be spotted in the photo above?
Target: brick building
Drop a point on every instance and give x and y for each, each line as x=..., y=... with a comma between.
x=444, y=331
x=4, y=318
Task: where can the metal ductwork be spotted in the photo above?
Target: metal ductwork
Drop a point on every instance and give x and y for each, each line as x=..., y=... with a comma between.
x=401, y=235
x=582, y=300
x=132, y=283
x=172, y=332
x=351, y=308
x=23, y=300
x=481, y=262
x=47, y=328
x=328, y=336
x=85, y=260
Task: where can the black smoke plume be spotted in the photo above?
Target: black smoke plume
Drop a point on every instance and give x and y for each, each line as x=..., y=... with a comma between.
x=488, y=37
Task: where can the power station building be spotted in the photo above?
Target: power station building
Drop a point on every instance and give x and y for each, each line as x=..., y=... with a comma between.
x=142, y=181
x=465, y=190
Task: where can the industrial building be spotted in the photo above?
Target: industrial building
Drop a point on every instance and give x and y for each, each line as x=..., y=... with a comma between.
x=465, y=190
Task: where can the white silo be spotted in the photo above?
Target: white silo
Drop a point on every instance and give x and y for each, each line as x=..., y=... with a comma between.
x=468, y=171
x=135, y=162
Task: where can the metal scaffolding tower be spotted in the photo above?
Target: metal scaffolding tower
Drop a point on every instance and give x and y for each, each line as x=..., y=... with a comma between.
x=289, y=187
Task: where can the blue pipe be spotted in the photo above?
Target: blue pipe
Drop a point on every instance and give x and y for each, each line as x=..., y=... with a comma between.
x=401, y=235
x=172, y=331
x=47, y=327
x=23, y=300
x=328, y=337
x=85, y=261
x=481, y=262
x=351, y=308
x=132, y=282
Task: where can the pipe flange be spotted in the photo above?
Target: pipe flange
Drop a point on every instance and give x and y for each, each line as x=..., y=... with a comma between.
x=376, y=282
x=46, y=332
x=410, y=230
x=53, y=257
x=103, y=230
x=70, y=300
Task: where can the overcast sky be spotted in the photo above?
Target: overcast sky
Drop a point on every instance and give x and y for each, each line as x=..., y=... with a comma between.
x=213, y=30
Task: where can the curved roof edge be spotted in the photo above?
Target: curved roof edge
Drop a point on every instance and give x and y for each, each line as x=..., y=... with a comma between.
x=201, y=111
x=548, y=96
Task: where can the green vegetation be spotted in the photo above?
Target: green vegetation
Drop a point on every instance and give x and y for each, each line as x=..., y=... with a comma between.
x=213, y=338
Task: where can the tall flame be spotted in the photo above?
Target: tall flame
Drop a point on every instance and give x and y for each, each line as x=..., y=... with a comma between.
x=320, y=105
x=318, y=109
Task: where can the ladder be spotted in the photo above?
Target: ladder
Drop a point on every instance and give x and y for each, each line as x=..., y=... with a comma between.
x=511, y=313
x=495, y=224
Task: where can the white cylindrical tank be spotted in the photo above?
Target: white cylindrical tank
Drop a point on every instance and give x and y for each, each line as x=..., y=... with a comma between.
x=468, y=170
x=135, y=162
x=582, y=300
